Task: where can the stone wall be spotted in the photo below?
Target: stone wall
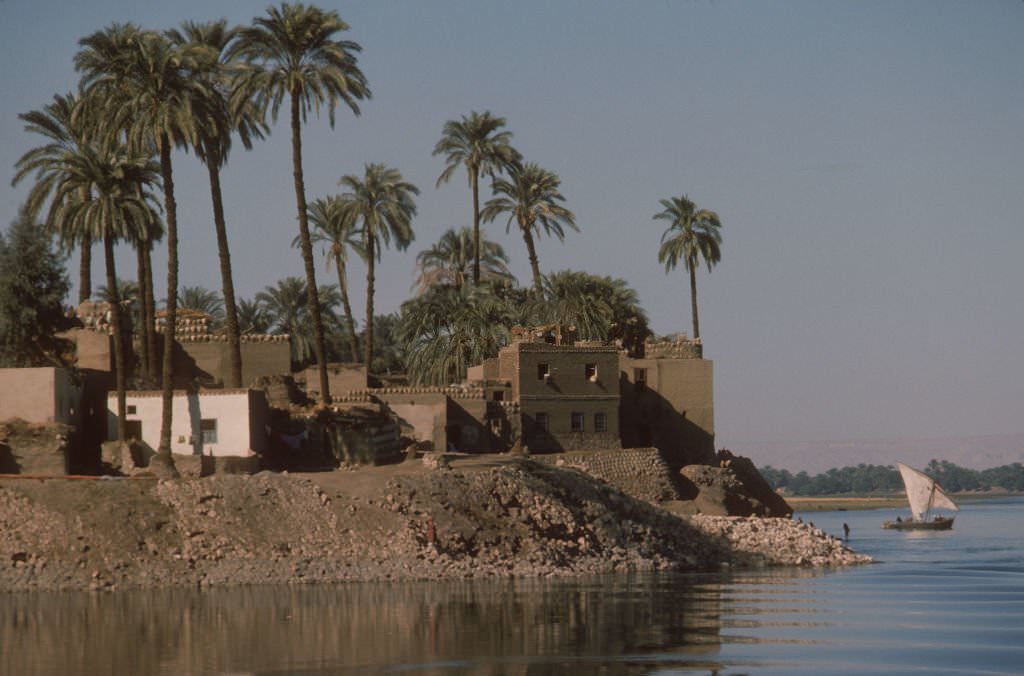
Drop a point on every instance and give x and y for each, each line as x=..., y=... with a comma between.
x=211, y=357
x=671, y=409
x=40, y=395
x=371, y=443
x=93, y=349
x=679, y=348
x=640, y=472
x=38, y=450
x=421, y=416
x=341, y=378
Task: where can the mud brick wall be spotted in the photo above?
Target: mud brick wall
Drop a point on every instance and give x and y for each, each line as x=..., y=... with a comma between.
x=640, y=472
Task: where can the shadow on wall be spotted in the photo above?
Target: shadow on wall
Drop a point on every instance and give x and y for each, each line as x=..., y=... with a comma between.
x=478, y=426
x=648, y=419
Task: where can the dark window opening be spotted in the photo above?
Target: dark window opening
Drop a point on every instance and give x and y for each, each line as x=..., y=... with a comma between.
x=543, y=372
x=600, y=422
x=131, y=409
x=590, y=371
x=133, y=429
x=639, y=379
x=499, y=395
x=577, y=422
x=541, y=420
x=209, y=430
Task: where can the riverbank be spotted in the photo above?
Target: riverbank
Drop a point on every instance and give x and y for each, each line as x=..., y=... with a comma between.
x=493, y=516
x=841, y=503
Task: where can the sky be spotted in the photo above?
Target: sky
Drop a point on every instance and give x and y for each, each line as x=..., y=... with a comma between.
x=866, y=160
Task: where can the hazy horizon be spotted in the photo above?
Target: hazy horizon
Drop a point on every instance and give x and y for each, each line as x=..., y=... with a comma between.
x=864, y=157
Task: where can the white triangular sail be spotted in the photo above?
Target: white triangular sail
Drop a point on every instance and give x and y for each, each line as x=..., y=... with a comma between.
x=923, y=493
x=940, y=499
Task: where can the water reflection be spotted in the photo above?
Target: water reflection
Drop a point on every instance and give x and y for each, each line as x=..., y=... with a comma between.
x=953, y=605
x=528, y=627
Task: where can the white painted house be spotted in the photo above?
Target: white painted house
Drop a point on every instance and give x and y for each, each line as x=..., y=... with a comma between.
x=230, y=422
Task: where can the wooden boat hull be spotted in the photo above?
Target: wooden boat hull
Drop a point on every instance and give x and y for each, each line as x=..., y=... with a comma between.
x=938, y=523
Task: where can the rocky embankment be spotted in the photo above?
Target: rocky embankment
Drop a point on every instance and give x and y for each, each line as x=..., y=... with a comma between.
x=508, y=518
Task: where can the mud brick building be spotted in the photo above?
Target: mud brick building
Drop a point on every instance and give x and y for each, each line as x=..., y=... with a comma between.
x=568, y=396
x=590, y=396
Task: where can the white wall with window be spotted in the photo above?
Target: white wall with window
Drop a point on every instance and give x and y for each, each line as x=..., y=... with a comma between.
x=215, y=422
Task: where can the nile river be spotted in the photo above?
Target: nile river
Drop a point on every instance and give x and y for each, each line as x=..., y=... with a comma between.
x=934, y=603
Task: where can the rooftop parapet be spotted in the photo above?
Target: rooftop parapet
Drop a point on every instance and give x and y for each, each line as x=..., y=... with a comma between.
x=676, y=346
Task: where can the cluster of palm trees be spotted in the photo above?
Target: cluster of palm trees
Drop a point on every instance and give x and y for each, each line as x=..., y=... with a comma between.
x=106, y=162
x=143, y=93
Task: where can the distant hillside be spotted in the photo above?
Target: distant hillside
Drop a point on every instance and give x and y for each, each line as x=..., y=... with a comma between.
x=977, y=452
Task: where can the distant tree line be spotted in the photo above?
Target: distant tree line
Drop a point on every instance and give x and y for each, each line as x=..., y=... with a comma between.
x=886, y=479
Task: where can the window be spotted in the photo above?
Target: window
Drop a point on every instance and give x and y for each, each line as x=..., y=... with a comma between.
x=543, y=372
x=499, y=395
x=209, y=430
x=590, y=372
x=541, y=420
x=577, y=422
x=131, y=409
x=639, y=379
x=600, y=422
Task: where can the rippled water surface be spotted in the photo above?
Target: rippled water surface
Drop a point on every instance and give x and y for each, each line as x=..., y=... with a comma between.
x=934, y=603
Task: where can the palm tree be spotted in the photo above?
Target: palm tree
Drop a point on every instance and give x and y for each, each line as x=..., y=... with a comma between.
x=150, y=93
x=476, y=143
x=152, y=233
x=531, y=198
x=293, y=52
x=214, y=147
x=252, y=318
x=598, y=307
x=65, y=133
x=446, y=330
x=128, y=295
x=382, y=202
x=692, y=235
x=284, y=307
x=450, y=261
x=119, y=203
x=335, y=229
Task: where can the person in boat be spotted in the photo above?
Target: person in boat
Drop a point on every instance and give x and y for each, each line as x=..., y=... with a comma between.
x=846, y=531
x=899, y=520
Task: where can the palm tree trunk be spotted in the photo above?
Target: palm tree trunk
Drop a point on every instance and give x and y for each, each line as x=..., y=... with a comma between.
x=115, y=321
x=307, y=252
x=171, y=213
x=230, y=309
x=693, y=301
x=368, y=346
x=474, y=179
x=350, y=325
x=85, y=269
x=149, y=302
x=140, y=259
x=531, y=251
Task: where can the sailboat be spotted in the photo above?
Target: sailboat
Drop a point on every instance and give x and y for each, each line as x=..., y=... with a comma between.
x=924, y=495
